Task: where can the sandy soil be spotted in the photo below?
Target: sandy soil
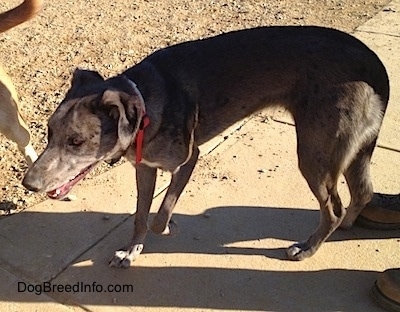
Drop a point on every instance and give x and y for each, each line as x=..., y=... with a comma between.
x=110, y=36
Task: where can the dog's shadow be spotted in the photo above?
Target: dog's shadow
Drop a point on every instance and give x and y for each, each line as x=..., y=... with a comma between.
x=220, y=229
x=67, y=248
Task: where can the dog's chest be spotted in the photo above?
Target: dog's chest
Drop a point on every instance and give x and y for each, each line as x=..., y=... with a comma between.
x=152, y=164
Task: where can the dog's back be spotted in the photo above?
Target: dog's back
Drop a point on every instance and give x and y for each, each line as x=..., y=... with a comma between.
x=276, y=65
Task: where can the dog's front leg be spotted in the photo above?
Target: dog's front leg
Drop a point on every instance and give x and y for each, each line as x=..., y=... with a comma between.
x=162, y=223
x=146, y=180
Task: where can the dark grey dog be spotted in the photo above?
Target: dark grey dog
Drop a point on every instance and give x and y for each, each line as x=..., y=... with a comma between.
x=334, y=86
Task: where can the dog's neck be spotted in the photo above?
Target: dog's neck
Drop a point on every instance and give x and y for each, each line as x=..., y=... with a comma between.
x=144, y=122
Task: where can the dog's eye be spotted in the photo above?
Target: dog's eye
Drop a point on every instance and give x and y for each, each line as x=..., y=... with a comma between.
x=74, y=141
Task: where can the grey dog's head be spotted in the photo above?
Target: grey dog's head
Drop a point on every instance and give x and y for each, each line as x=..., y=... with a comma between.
x=96, y=121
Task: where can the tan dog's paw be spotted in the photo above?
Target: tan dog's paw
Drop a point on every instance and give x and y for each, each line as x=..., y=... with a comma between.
x=29, y=154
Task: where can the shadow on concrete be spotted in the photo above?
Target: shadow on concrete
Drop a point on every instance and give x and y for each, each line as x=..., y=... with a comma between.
x=218, y=288
x=39, y=247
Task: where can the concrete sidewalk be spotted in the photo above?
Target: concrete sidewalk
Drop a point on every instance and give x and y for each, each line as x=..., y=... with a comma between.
x=245, y=203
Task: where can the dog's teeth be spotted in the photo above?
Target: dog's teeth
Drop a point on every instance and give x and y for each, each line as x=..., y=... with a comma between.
x=58, y=192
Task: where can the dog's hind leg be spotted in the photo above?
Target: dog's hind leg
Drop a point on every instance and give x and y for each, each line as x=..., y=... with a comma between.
x=359, y=182
x=162, y=221
x=324, y=186
x=364, y=139
x=336, y=133
x=146, y=180
x=321, y=158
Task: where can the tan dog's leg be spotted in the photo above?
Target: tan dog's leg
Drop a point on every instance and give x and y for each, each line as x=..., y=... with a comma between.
x=11, y=123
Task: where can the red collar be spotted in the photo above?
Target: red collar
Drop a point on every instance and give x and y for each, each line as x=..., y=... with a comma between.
x=139, y=137
x=145, y=121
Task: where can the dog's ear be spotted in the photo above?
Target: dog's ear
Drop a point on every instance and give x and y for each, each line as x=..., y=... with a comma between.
x=81, y=80
x=123, y=108
x=85, y=76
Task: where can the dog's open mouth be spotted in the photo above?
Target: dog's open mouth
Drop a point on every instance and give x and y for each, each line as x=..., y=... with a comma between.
x=61, y=191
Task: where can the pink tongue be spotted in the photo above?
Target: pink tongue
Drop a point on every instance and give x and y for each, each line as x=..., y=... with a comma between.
x=60, y=192
x=63, y=190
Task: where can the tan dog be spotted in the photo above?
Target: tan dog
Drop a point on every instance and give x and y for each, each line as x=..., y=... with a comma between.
x=11, y=123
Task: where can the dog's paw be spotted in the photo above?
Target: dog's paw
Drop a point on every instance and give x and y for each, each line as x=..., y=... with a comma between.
x=123, y=258
x=158, y=226
x=171, y=229
x=347, y=223
x=299, y=251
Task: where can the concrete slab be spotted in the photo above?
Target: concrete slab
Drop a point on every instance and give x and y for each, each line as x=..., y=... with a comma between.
x=177, y=274
x=385, y=22
x=382, y=34
x=212, y=144
x=19, y=295
x=53, y=236
x=387, y=47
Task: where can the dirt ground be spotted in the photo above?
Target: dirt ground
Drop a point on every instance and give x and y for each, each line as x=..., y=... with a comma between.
x=110, y=36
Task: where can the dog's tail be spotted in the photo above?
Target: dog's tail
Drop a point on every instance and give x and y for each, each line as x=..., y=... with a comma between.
x=25, y=11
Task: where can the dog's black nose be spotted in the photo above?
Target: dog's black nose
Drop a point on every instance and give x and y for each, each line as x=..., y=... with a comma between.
x=32, y=183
